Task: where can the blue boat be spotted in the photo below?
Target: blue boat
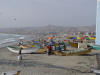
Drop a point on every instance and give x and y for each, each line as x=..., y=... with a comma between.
x=95, y=47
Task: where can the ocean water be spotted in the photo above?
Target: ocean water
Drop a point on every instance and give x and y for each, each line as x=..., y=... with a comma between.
x=9, y=38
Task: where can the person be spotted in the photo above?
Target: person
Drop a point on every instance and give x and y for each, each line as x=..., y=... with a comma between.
x=20, y=43
x=20, y=51
x=59, y=46
x=20, y=54
x=49, y=49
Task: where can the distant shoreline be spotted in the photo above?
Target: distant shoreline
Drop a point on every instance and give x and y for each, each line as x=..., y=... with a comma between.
x=15, y=40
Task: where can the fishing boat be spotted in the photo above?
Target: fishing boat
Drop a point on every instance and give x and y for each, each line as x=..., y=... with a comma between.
x=73, y=44
x=95, y=47
x=15, y=49
x=80, y=51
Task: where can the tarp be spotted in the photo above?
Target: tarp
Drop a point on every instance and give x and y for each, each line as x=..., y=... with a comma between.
x=50, y=38
x=82, y=38
x=36, y=41
x=87, y=38
x=74, y=38
x=54, y=35
x=33, y=46
x=78, y=38
x=91, y=38
x=37, y=45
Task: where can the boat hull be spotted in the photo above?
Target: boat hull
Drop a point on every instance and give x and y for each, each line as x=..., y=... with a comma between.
x=95, y=47
x=31, y=50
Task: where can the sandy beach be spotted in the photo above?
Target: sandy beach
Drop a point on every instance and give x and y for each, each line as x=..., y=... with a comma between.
x=41, y=64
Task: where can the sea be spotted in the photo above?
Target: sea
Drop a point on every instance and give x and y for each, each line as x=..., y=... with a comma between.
x=10, y=39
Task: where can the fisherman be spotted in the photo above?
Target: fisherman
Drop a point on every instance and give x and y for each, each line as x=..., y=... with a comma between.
x=20, y=54
x=20, y=43
x=49, y=49
x=64, y=45
x=20, y=51
x=59, y=46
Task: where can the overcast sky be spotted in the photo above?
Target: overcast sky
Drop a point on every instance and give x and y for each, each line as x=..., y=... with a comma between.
x=16, y=13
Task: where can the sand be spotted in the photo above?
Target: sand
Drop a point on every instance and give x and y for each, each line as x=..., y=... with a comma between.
x=41, y=64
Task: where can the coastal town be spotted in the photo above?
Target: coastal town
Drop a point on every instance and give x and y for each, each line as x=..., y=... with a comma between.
x=49, y=37
x=52, y=51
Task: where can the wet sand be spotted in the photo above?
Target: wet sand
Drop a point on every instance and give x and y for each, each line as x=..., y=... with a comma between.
x=41, y=64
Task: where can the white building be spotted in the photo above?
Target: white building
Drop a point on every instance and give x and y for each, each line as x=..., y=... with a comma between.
x=98, y=23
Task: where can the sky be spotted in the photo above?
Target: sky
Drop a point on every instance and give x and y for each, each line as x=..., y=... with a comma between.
x=20, y=13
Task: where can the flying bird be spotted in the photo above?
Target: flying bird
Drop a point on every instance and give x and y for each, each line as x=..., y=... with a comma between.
x=14, y=19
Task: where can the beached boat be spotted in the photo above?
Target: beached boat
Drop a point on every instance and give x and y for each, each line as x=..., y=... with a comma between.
x=80, y=51
x=73, y=44
x=95, y=47
x=15, y=49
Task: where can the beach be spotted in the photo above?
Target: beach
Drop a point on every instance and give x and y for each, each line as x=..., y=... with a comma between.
x=42, y=64
x=49, y=37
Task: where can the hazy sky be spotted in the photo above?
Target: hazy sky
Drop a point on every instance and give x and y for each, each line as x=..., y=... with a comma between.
x=47, y=12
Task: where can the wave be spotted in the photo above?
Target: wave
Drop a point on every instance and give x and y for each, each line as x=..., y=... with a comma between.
x=6, y=38
x=12, y=39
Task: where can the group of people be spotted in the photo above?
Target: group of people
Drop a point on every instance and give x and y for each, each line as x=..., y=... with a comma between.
x=58, y=46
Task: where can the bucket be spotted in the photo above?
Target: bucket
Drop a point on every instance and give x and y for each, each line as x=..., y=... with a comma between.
x=20, y=57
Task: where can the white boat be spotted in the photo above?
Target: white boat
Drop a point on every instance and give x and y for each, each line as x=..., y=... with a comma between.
x=25, y=50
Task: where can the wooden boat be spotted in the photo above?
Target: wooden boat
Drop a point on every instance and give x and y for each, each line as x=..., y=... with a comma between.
x=73, y=44
x=15, y=49
x=95, y=47
x=80, y=51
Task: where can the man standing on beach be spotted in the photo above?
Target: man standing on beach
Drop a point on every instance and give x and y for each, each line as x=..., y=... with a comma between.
x=49, y=49
x=20, y=52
